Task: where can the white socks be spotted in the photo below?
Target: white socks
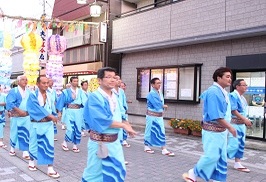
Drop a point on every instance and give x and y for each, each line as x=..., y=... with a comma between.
x=146, y=148
x=191, y=174
x=238, y=165
x=12, y=149
x=25, y=153
x=50, y=170
x=31, y=163
x=65, y=143
x=75, y=147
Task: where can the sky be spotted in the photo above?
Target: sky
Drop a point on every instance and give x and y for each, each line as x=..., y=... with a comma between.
x=26, y=8
x=23, y=8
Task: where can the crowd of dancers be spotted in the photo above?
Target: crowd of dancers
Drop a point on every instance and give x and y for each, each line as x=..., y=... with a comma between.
x=102, y=115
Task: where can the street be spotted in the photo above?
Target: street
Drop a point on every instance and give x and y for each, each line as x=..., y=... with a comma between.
x=143, y=167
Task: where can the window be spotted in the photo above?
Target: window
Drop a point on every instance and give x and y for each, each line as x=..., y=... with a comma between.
x=179, y=83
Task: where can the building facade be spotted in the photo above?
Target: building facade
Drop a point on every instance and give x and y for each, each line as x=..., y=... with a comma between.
x=183, y=42
x=85, y=53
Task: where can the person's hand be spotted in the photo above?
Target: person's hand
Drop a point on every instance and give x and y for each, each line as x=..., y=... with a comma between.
x=8, y=114
x=232, y=130
x=54, y=119
x=247, y=122
x=130, y=130
x=165, y=107
x=59, y=115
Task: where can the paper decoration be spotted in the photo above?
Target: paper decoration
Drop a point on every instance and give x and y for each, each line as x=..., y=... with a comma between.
x=31, y=43
x=6, y=43
x=56, y=45
x=93, y=85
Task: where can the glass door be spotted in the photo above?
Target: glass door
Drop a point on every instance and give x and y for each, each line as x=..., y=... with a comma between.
x=255, y=96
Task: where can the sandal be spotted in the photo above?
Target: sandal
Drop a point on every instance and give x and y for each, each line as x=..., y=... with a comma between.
x=170, y=154
x=53, y=175
x=32, y=168
x=65, y=148
x=26, y=157
x=3, y=146
x=243, y=169
x=12, y=153
x=187, y=178
x=149, y=151
x=75, y=150
x=126, y=145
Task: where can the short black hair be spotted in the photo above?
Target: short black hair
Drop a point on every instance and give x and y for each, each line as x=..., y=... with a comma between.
x=39, y=78
x=84, y=81
x=220, y=72
x=73, y=77
x=101, y=72
x=154, y=80
x=237, y=82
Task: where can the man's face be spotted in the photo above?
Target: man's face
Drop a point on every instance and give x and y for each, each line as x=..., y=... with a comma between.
x=157, y=84
x=225, y=80
x=23, y=81
x=75, y=82
x=123, y=86
x=43, y=84
x=51, y=83
x=242, y=87
x=118, y=81
x=85, y=86
x=108, y=82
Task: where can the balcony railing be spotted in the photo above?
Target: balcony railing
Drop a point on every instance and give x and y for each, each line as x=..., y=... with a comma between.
x=157, y=4
x=84, y=54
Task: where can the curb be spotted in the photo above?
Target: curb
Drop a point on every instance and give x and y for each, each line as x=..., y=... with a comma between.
x=250, y=143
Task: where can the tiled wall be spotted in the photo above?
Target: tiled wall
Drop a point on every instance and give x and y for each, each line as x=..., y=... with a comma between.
x=212, y=55
x=187, y=19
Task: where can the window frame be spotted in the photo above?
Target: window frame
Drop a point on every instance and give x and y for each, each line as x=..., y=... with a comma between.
x=196, y=82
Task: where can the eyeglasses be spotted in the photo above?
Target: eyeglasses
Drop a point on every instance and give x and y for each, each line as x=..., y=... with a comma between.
x=110, y=77
x=243, y=85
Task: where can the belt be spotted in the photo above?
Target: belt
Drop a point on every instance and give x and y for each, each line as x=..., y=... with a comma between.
x=15, y=114
x=103, y=137
x=212, y=127
x=73, y=106
x=237, y=121
x=45, y=119
x=157, y=114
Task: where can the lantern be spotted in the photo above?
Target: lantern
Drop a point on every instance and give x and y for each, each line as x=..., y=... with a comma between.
x=56, y=45
x=95, y=9
x=81, y=1
x=31, y=43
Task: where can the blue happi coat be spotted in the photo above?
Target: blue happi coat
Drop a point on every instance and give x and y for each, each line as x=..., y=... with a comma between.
x=41, y=133
x=99, y=117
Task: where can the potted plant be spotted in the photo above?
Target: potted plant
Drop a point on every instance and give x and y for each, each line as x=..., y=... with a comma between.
x=180, y=126
x=196, y=128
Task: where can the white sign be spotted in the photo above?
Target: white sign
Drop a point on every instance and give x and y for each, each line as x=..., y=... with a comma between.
x=103, y=32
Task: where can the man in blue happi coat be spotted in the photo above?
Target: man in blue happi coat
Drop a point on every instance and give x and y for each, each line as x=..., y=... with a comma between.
x=123, y=107
x=73, y=99
x=54, y=99
x=84, y=88
x=41, y=108
x=239, y=121
x=103, y=115
x=216, y=117
x=155, y=130
x=19, y=118
x=2, y=117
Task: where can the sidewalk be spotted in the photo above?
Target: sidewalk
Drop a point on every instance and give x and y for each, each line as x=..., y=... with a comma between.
x=143, y=167
x=139, y=122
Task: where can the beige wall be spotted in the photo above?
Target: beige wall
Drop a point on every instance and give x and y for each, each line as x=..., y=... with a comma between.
x=187, y=19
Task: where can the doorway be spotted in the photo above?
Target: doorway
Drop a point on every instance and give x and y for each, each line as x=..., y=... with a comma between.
x=255, y=96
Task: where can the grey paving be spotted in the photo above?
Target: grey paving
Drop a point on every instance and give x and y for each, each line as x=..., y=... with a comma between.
x=143, y=167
